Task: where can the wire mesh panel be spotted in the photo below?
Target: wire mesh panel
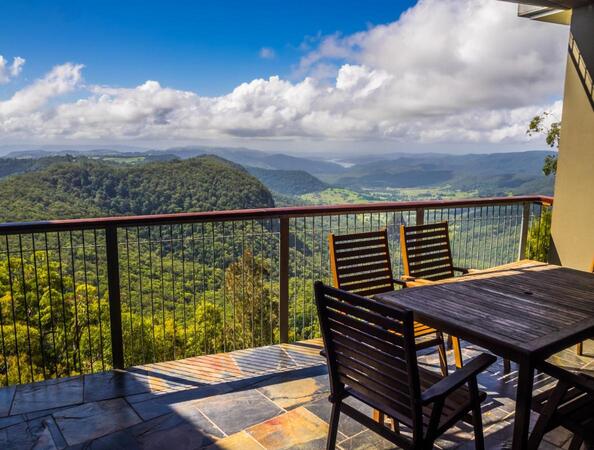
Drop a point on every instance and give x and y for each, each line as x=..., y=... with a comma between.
x=186, y=288
x=198, y=288
x=54, y=314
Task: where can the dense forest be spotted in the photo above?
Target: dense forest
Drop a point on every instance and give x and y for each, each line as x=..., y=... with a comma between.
x=82, y=187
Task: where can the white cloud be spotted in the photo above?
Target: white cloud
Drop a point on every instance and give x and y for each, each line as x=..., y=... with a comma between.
x=7, y=72
x=446, y=71
x=267, y=53
x=60, y=80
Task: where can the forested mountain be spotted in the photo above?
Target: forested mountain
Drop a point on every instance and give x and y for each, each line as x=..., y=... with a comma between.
x=288, y=182
x=82, y=187
x=263, y=160
x=489, y=174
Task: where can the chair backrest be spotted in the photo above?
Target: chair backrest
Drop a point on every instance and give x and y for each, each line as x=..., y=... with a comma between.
x=370, y=350
x=426, y=251
x=360, y=262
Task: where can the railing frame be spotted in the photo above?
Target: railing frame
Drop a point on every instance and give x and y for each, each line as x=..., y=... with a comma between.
x=111, y=225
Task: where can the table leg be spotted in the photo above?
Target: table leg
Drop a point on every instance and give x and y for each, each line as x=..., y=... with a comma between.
x=523, y=404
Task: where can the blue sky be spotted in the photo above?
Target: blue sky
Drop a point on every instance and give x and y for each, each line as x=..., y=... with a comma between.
x=294, y=76
x=205, y=46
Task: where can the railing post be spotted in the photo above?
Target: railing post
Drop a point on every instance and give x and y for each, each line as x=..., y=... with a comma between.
x=113, y=283
x=524, y=231
x=420, y=219
x=284, y=280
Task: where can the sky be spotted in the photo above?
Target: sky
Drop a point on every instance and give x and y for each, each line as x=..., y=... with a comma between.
x=301, y=77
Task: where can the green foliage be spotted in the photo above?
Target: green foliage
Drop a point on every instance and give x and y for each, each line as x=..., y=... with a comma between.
x=552, y=134
x=539, y=237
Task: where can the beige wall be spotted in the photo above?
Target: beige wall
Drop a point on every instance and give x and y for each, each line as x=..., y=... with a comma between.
x=573, y=211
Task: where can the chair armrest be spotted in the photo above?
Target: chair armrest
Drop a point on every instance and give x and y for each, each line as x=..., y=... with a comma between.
x=462, y=270
x=579, y=380
x=399, y=282
x=414, y=282
x=449, y=384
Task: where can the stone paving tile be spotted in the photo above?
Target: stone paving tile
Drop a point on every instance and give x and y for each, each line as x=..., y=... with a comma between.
x=6, y=396
x=40, y=433
x=295, y=393
x=347, y=426
x=265, y=359
x=47, y=395
x=172, y=431
x=366, y=440
x=92, y=420
x=305, y=353
x=151, y=407
x=297, y=429
x=115, y=383
x=10, y=420
x=237, y=441
x=236, y=411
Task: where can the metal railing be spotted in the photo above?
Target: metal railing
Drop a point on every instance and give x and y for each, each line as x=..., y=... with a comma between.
x=87, y=295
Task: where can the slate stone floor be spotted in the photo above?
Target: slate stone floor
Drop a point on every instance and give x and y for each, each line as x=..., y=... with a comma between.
x=271, y=397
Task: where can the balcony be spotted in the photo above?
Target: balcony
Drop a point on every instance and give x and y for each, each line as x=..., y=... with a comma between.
x=199, y=329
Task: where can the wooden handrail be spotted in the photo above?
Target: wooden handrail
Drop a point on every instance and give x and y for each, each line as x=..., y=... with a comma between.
x=260, y=213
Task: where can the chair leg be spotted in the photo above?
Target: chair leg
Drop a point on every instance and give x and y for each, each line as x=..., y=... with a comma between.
x=477, y=418
x=443, y=359
x=580, y=349
x=378, y=416
x=506, y=366
x=457, y=352
x=333, y=429
x=450, y=344
x=576, y=443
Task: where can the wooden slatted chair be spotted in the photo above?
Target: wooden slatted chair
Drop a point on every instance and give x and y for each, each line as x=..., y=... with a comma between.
x=360, y=263
x=427, y=257
x=569, y=404
x=426, y=253
x=371, y=354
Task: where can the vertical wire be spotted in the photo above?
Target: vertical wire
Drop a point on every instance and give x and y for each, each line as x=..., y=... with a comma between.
x=4, y=358
x=151, y=287
x=173, y=299
x=41, y=335
x=76, y=325
x=261, y=270
x=86, y=281
x=140, y=288
x=251, y=283
x=98, y=298
x=224, y=288
x=204, y=314
x=129, y=288
x=14, y=321
x=162, y=290
x=26, y=306
x=63, y=302
x=193, y=232
x=234, y=284
x=183, y=287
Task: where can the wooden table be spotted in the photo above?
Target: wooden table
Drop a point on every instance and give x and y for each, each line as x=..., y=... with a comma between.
x=524, y=311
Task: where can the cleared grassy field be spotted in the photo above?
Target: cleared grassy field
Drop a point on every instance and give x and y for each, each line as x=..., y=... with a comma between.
x=342, y=195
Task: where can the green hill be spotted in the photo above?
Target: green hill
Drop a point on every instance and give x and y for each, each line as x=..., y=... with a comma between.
x=288, y=182
x=87, y=188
